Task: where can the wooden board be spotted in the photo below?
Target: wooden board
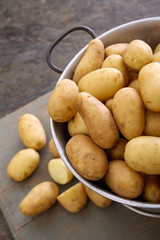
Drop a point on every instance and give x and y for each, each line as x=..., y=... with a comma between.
x=114, y=222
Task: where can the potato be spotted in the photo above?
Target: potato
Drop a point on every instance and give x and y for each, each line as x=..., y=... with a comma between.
x=157, y=48
x=61, y=107
x=152, y=124
x=39, y=199
x=53, y=149
x=143, y=154
x=135, y=84
x=151, y=191
x=123, y=180
x=116, y=61
x=117, y=152
x=23, y=164
x=117, y=48
x=59, y=172
x=98, y=119
x=88, y=159
x=102, y=83
x=91, y=60
x=108, y=104
x=137, y=54
x=97, y=199
x=132, y=75
x=77, y=126
x=156, y=57
x=149, y=80
x=128, y=112
x=31, y=131
x=73, y=199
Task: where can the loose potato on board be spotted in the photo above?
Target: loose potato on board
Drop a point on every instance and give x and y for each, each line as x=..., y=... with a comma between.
x=39, y=199
x=31, y=131
x=91, y=60
x=23, y=164
x=59, y=172
x=74, y=199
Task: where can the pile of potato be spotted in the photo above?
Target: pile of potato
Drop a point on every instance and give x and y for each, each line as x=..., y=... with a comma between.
x=112, y=106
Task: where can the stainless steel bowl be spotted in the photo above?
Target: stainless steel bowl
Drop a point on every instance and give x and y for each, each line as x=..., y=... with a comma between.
x=145, y=29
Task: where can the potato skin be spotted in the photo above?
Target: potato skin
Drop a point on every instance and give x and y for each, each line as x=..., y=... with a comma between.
x=102, y=83
x=88, y=159
x=123, y=180
x=91, y=60
x=142, y=154
x=149, y=80
x=39, y=199
x=128, y=112
x=61, y=106
x=151, y=191
x=98, y=119
x=31, y=131
x=117, y=152
x=53, y=149
x=152, y=123
x=117, y=48
x=77, y=126
x=23, y=164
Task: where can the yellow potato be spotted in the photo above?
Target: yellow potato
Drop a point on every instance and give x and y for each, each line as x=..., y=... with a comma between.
x=53, y=149
x=39, y=199
x=23, y=164
x=123, y=180
x=108, y=104
x=135, y=84
x=156, y=57
x=102, y=83
x=151, y=191
x=152, y=124
x=117, y=152
x=137, y=54
x=59, y=172
x=116, y=61
x=157, y=48
x=91, y=60
x=128, y=112
x=142, y=154
x=98, y=119
x=117, y=48
x=97, y=199
x=61, y=107
x=77, y=126
x=132, y=75
x=89, y=160
x=31, y=131
x=149, y=80
x=73, y=199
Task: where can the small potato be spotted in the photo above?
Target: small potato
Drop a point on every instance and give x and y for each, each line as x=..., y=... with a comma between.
x=88, y=159
x=59, y=172
x=149, y=80
x=116, y=61
x=39, y=199
x=151, y=191
x=102, y=83
x=137, y=54
x=132, y=75
x=117, y=152
x=157, y=48
x=73, y=199
x=53, y=149
x=123, y=180
x=135, y=84
x=128, y=112
x=77, y=126
x=143, y=154
x=117, y=48
x=31, y=132
x=23, y=164
x=108, y=104
x=61, y=107
x=91, y=60
x=152, y=124
x=156, y=57
x=98, y=119
x=97, y=199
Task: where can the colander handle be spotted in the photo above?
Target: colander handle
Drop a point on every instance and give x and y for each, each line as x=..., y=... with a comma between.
x=143, y=212
x=59, y=38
